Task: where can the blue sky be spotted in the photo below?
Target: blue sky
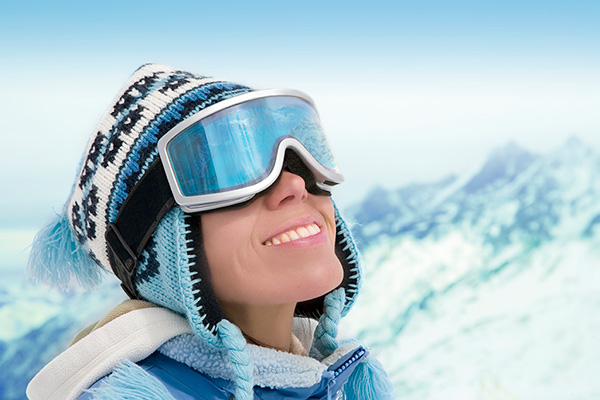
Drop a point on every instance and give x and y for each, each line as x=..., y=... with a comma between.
x=408, y=91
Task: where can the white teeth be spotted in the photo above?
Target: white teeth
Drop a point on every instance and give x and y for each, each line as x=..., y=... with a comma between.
x=303, y=232
x=294, y=234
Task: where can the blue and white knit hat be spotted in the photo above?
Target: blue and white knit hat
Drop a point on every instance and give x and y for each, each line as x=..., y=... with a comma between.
x=172, y=269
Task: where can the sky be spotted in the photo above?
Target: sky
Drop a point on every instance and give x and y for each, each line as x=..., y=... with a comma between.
x=407, y=91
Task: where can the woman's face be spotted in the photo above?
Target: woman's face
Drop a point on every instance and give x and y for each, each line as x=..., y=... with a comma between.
x=279, y=249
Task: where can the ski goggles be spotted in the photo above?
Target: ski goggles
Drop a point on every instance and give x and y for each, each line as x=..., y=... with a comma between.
x=230, y=151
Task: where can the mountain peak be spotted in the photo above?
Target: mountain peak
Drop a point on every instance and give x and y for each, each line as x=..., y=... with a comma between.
x=574, y=142
x=575, y=146
x=573, y=152
x=504, y=164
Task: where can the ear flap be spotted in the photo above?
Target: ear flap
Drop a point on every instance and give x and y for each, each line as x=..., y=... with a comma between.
x=57, y=256
x=349, y=255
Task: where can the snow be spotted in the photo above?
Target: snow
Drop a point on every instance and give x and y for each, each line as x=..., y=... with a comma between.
x=458, y=313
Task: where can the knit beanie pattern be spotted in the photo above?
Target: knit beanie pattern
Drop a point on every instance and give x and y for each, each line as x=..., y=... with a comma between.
x=154, y=101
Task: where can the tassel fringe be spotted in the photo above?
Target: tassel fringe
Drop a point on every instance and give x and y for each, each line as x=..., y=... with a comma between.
x=130, y=381
x=369, y=381
x=56, y=257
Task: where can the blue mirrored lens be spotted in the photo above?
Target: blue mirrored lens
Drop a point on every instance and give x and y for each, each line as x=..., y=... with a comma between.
x=236, y=147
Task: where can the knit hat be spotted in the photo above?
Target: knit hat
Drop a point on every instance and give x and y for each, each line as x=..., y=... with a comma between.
x=172, y=269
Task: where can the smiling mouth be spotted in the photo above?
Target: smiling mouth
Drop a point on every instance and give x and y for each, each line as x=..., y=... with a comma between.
x=294, y=234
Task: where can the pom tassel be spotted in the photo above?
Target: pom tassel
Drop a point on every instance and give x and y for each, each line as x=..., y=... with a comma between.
x=130, y=381
x=56, y=256
x=369, y=381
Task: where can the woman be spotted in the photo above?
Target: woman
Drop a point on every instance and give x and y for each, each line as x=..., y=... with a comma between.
x=210, y=202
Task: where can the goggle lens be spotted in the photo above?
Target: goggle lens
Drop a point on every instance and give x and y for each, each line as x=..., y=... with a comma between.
x=236, y=147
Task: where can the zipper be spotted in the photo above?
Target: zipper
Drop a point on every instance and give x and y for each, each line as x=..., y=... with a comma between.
x=357, y=355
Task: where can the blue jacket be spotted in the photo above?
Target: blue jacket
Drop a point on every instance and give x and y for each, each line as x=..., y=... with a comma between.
x=174, y=363
x=185, y=383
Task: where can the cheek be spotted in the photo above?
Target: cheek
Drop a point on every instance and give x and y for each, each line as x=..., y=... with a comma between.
x=314, y=276
x=325, y=204
x=223, y=246
x=215, y=238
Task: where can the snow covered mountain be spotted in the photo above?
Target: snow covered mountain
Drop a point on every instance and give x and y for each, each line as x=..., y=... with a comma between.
x=514, y=193
x=487, y=287
x=478, y=287
x=39, y=323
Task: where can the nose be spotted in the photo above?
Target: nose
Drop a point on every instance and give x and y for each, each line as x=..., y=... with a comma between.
x=289, y=189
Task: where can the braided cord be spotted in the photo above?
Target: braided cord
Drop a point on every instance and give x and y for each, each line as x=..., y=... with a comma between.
x=327, y=329
x=243, y=370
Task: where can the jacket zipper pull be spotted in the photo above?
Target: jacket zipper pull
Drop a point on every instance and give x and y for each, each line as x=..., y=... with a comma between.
x=358, y=354
x=330, y=384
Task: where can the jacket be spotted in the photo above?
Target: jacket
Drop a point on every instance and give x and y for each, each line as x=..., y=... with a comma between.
x=161, y=344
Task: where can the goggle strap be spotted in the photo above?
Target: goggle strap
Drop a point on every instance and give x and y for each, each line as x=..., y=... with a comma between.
x=138, y=217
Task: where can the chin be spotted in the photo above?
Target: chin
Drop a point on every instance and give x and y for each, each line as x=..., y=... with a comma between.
x=322, y=282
